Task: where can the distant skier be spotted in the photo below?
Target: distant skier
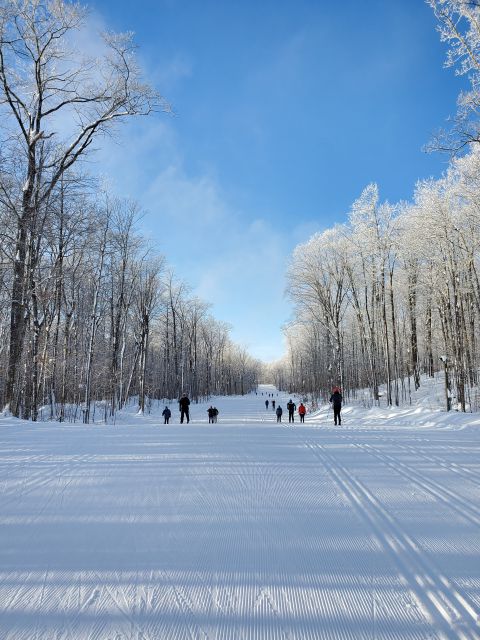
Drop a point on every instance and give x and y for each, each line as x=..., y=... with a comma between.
x=266, y=404
x=336, y=400
x=291, y=406
x=273, y=404
x=166, y=413
x=211, y=414
x=302, y=410
x=279, y=412
x=184, y=404
x=215, y=414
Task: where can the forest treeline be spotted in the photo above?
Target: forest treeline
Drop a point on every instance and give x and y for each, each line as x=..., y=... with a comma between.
x=391, y=294
x=394, y=293
x=88, y=311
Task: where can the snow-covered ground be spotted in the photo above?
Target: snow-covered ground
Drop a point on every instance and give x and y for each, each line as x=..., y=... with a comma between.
x=243, y=529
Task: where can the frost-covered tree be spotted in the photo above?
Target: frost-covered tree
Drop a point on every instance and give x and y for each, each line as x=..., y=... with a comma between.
x=402, y=282
x=318, y=285
x=459, y=27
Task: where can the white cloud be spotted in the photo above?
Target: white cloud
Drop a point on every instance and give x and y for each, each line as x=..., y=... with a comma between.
x=194, y=201
x=168, y=74
x=233, y=262
x=231, y=258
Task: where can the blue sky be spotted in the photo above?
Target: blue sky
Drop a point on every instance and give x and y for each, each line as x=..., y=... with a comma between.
x=285, y=111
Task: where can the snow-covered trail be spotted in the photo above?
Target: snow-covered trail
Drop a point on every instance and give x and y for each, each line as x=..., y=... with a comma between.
x=244, y=529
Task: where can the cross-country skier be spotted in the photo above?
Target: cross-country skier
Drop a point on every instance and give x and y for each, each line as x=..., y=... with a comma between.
x=336, y=400
x=302, y=410
x=184, y=404
x=291, y=406
x=279, y=412
x=266, y=404
x=166, y=413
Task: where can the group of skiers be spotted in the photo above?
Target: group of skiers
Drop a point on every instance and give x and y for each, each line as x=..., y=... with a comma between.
x=212, y=414
x=335, y=400
x=291, y=407
x=184, y=408
x=267, y=403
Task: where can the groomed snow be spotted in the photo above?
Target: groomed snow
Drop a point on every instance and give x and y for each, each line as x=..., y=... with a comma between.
x=244, y=529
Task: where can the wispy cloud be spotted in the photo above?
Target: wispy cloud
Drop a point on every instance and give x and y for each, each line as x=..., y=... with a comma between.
x=233, y=258
x=235, y=263
x=192, y=202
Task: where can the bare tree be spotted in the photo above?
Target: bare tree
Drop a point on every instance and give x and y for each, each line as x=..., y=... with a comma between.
x=44, y=81
x=145, y=301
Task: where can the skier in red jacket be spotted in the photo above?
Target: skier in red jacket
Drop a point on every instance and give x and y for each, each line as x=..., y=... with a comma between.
x=302, y=410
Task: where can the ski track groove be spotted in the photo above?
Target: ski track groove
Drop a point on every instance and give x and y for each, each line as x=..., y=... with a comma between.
x=319, y=605
x=463, y=472
x=14, y=464
x=400, y=545
x=448, y=497
x=254, y=602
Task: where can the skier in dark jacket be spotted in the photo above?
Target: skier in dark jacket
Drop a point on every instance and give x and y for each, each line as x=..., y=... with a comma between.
x=279, y=412
x=211, y=414
x=336, y=400
x=266, y=404
x=166, y=413
x=291, y=406
x=184, y=404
